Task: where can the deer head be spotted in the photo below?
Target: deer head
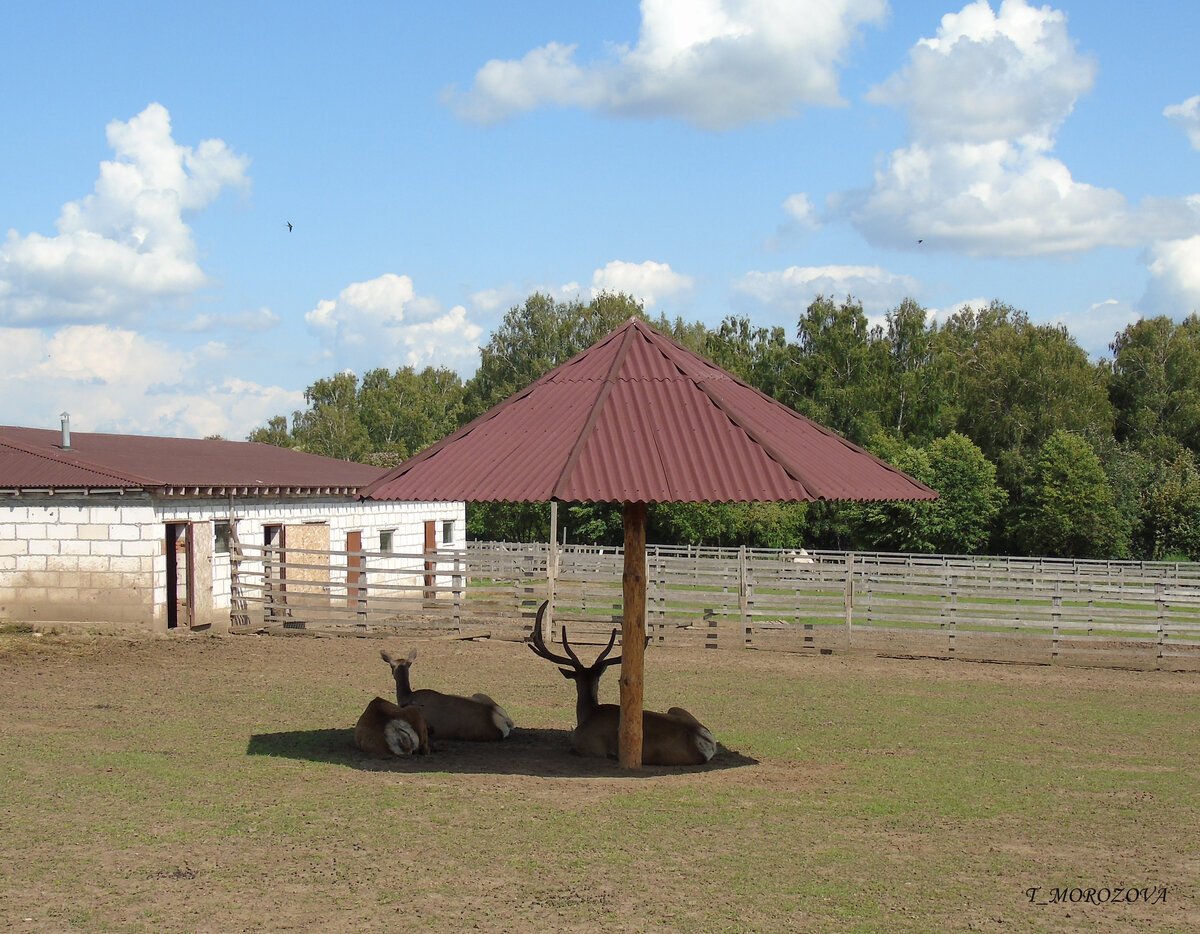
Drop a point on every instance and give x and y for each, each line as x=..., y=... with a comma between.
x=586, y=677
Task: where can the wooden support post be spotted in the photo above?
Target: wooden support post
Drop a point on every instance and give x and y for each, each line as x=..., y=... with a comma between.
x=633, y=637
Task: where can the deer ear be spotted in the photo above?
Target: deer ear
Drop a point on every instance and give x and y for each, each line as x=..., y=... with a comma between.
x=412, y=656
x=567, y=673
x=387, y=658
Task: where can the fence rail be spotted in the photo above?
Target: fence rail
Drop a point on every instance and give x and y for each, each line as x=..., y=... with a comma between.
x=1144, y=614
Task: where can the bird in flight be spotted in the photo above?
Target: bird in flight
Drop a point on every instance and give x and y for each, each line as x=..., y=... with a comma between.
x=290, y=227
x=289, y=223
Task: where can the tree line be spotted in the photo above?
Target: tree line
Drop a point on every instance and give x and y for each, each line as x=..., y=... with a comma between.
x=1035, y=449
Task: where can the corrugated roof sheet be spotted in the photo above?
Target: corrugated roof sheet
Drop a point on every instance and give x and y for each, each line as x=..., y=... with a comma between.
x=639, y=418
x=33, y=458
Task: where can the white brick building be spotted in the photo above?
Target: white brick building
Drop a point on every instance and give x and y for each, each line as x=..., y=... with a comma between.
x=134, y=532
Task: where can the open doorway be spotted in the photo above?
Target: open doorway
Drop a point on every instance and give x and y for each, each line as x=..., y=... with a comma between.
x=181, y=591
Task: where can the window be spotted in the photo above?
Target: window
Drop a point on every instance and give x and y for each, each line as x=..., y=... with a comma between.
x=385, y=540
x=222, y=537
x=448, y=532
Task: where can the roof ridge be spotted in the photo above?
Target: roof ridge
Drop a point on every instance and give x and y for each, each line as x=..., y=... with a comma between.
x=483, y=418
x=589, y=426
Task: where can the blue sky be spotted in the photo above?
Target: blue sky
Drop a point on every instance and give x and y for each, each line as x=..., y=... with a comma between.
x=440, y=162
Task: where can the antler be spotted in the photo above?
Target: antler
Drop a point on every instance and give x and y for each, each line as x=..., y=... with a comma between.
x=537, y=645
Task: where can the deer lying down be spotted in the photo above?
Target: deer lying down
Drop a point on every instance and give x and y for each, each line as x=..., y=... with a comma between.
x=387, y=730
x=673, y=738
x=450, y=716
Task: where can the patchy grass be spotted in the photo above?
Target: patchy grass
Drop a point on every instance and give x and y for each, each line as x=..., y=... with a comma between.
x=210, y=784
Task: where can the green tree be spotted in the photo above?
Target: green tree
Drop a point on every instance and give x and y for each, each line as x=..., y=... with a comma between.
x=1172, y=509
x=1069, y=510
x=1014, y=383
x=755, y=525
x=332, y=425
x=970, y=500
x=405, y=411
x=274, y=432
x=911, y=389
x=1155, y=384
x=760, y=356
x=837, y=359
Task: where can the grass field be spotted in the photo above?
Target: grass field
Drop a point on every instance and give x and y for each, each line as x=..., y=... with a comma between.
x=209, y=784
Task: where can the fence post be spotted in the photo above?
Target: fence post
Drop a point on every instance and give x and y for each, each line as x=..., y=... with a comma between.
x=1055, y=620
x=1160, y=604
x=361, y=588
x=848, y=599
x=458, y=590
x=953, y=612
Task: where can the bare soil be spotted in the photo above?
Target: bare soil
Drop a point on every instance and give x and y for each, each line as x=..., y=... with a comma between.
x=202, y=859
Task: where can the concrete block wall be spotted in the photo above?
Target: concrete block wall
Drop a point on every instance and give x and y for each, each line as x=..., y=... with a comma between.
x=79, y=560
x=101, y=559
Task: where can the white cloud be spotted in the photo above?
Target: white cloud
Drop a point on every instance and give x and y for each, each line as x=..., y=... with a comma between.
x=648, y=281
x=1187, y=116
x=1094, y=328
x=793, y=289
x=252, y=322
x=714, y=63
x=113, y=379
x=125, y=246
x=1174, y=287
x=802, y=212
x=382, y=321
x=988, y=77
x=984, y=99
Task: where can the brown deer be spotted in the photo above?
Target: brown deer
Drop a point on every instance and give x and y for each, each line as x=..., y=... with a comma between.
x=449, y=716
x=387, y=730
x=673, y=738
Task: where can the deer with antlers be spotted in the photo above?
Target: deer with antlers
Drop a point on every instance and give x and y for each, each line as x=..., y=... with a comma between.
x=673, y=738
x=450, y=716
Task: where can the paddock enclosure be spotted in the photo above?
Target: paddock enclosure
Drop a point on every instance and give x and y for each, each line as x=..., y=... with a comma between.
x=1004, y=609
x=209, y=783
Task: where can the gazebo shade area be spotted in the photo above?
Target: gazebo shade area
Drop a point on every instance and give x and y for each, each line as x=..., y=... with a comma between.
x=636, y=419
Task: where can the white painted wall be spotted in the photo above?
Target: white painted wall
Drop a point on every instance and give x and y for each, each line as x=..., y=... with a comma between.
x=101, y=558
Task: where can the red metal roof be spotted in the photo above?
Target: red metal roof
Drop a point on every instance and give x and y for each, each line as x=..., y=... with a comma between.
x=33, y=458
x=638, y=418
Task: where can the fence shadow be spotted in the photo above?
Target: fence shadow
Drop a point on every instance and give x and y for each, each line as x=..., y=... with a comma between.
x=544, y=753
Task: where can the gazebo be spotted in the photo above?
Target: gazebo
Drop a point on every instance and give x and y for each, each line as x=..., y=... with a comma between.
x=635, y=419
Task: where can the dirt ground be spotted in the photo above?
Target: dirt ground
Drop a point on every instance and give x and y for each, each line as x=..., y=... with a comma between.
x=59, y=881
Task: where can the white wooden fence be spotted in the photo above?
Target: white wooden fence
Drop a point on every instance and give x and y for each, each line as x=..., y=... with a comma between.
x=1139, y=614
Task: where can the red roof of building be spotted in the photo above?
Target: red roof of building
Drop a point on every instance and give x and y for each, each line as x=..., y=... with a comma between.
x=639, y=418
x=34, y=459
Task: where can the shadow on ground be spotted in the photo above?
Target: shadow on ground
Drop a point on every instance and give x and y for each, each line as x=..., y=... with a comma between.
x=546, y=753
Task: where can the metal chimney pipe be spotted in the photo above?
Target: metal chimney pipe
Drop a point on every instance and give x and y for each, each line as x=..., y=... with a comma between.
x=66, y=431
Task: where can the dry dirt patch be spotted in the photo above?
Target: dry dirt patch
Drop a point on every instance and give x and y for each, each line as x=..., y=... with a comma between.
x=210, y=784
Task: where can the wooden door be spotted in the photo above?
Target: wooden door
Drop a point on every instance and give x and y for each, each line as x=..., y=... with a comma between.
x=430, y=566
x=354, y=563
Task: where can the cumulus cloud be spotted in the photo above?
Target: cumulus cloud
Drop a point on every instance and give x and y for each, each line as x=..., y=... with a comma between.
x=802, y=212
x=114, y=379
x=1094, y=327
x=1187, y=117
x=714, y=63
x=648, y=281
x=384, y=322
x=126, y=245
x=984, y=99
x=1174, y=287
x=791, y=290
